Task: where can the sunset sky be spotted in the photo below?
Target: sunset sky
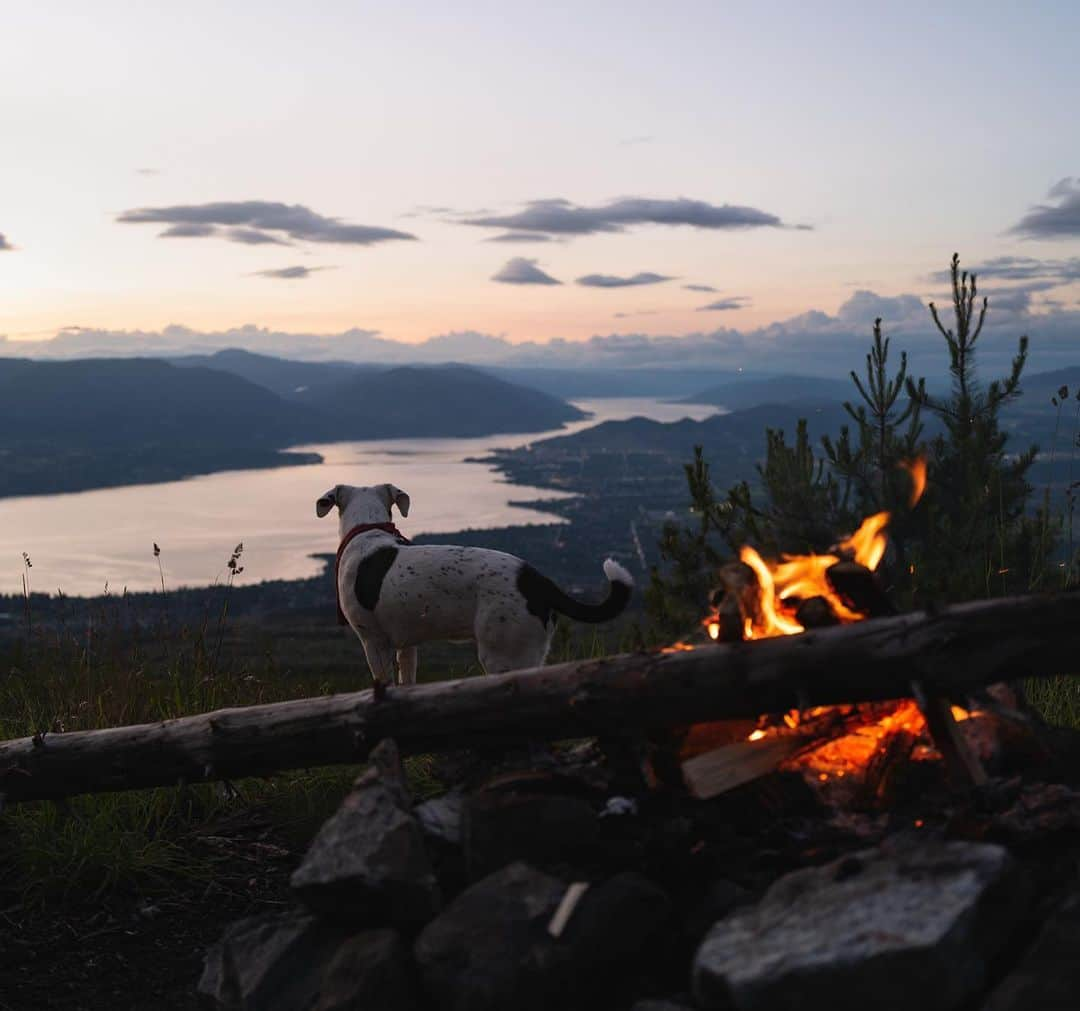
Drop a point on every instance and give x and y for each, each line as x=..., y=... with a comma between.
x=336, y=165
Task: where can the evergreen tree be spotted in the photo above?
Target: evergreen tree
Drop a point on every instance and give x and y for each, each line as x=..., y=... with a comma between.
x=976, y=536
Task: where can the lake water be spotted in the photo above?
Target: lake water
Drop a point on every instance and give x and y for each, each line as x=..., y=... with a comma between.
x=81, y=541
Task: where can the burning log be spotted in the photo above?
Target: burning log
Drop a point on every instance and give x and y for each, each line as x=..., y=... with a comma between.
x=947, y=652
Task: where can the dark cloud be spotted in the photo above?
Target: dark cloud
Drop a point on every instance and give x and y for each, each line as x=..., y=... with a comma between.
x=700, y=287
x=560, y=217
x=521, y=237
x=191, y=231
x=290, y=273
x=614, y=281
x=519, y=270
x=1060, y=220
x=725, y=304
x=1023, y=268
x=254, y=237
x=5, y=246
x=260, y=221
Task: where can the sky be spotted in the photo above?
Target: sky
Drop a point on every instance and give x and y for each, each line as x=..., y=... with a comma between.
x=533, y=172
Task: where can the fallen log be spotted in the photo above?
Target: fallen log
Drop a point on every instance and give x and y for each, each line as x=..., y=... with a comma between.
x=947, y=651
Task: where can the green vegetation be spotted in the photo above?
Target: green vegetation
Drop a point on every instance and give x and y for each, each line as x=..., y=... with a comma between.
x=114, y=671
x=975, y=532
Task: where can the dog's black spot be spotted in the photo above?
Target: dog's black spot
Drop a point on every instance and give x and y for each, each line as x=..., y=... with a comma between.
x=370, y=574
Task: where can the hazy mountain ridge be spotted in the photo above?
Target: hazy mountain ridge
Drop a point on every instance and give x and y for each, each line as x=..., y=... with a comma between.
x=65, y=426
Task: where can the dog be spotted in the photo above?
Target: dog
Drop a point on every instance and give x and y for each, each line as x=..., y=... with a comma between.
x=395, y=594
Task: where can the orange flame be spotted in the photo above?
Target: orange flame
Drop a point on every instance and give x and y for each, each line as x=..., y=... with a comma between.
x=917, y=469
x=798, y=577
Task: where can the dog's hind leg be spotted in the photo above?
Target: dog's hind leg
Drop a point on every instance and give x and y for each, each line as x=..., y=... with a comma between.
x=406, y=663
x=380, y=658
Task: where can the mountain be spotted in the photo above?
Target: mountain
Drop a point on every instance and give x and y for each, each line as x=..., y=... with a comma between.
x=749, y=391
x=578, y=383
x=739, y=432
x=436, y=401
x=284, y=376
x=127, y=401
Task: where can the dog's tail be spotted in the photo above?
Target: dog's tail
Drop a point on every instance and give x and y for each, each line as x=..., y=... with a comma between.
x=543, y=596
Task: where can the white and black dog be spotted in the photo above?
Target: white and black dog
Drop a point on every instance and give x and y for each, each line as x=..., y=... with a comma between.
x=396, y=595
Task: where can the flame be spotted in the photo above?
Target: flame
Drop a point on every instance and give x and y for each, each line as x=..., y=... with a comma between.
x=798, y=577
x=917, y=469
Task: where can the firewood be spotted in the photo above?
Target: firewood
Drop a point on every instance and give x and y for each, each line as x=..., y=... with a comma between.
x=949, y=651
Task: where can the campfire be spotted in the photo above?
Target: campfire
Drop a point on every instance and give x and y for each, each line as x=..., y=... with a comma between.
x=849, y=752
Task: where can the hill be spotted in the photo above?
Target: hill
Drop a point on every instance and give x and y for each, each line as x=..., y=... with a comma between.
x=284, y=376
x=125, y=401
x=750, y=391
x=436, y=401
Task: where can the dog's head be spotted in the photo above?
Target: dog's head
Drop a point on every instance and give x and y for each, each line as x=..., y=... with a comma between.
x=362, y=505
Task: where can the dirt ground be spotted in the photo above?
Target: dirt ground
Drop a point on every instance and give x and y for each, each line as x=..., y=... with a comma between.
x=140, y=953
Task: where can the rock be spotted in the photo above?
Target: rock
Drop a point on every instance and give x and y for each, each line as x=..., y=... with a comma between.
x=441, y=817
x=368, y=864
x=283, y=962
x=530, y=819
x=268, y=962
x=370, y=971
x=490, y=948
x=494, y=946
x=908, y=925
x=1048, y=976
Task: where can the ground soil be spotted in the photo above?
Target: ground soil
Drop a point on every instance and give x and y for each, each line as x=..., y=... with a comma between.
x=141, y=953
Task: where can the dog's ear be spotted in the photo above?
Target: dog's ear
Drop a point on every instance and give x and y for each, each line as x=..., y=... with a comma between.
x=396, y=497
x=325, y=502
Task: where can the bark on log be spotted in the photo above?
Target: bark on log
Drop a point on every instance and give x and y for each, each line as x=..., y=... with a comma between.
x=947, y=651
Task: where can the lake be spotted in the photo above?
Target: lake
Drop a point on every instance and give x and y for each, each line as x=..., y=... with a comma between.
x=81, y=541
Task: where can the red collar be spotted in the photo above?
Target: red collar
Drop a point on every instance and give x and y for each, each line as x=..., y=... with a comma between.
x=360, y=528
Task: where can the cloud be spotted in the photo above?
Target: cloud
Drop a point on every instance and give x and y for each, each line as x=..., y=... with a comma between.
x=560, y=217
x=613, y=281
x=521, y=237
x=148, y=171
x=188, y=231
x=259, y=221
x=254, y=237
x=635, y=141
x=814, y=342
x=1060, y=220
x=519, y=270
x=290, y=273
x=725, y=304
x=1022, y=268
x=5, y=246
x=699, y=287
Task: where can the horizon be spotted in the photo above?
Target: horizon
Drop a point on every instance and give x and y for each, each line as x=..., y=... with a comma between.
x=724, y=201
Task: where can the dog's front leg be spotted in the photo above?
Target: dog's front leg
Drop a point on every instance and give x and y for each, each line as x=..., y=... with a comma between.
x=380, y=658
x=406, y=663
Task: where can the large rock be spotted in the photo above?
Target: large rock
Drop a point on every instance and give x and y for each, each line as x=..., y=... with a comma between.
x=268, y=962
x=370, y=971
x=490, y=948
x=539, y=818
x=908, y=926
x=368, y=863
x=292, y=962
x=1048, y=976
x=500, y=944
